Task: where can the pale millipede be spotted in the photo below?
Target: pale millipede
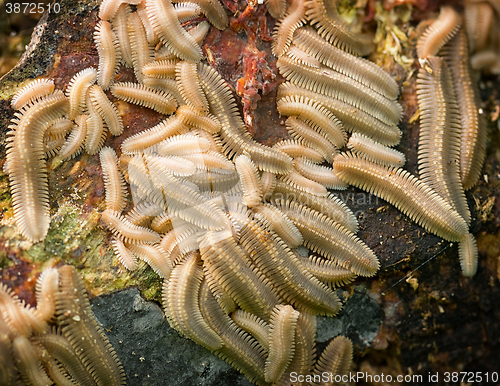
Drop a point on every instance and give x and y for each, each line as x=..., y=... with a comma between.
x=225, y=301
x=109, y=54
x=197, y=32
x=169, y=240
x=145, y=139
x=279, y=223
x=162, y=223
x=34, y=89
x=353, y=119
x=366, y=147
x=439, y=136
x=141, y=185
x=126, y=231
x=301, y=56
x=59, y=128
x=76, y=140
x=214, y=139
x=330, y=239
x=77, y=90
x=327, y=271
x=46, y=288
x=295, y=149
x=160, y=69
x=254, y=325
x=479, y=18
x=281, y=341
x=183, y=144
x=211, y=161
x=214, y=12
x=140, y=49
x=96, y=130
x=186, y=77
x=120, y=28
x=295, y=17
x=222, y=256
x=106, y=109
x=474, y=134
x=315, y=113
x=439, y=32
x=321, y=174
x=141, y=95
x=115, y=188
x=108, y=8
x=28, y=363
x=124, y=255
x=142, y=214
x=182, y=307
x=324, y=14
x=239, y=349
x=213, y=181
x=167, y=85
x=51, y=146
x=250, y=181
x=162, y=15
x=359, y=69
x=306, y=135
x=83, y=331
x=467, y=253
x=186, y=11
x=334, y=84
x=336, y=359
x=330, y=206
x=154, y=256
x=26, y=164
x=151, y=35
x=304, y=184
x=276, y=8
x=268, y=181
x=191, y=117
x=410, y=195
x=233, y=132
x=13, y=313
x=177, y=166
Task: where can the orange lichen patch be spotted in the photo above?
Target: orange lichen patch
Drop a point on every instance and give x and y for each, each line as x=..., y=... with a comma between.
x=182, y=306
x=405, y=192
x=336, y=359
x=440, y=32
x=106, y=109
x=324, y=14
x=26, y=164
x=126, y=231
x=250, y=181
x=373, y=151
x=165, y=23
x=109, y=54
x=330, y=239
x=295, y=17
x=74, y=144
x=114, y=183
x=141, y=95
x=321, y=174
x=36, y=88
x=295, y=150
x=281, y=341
x=77, y=90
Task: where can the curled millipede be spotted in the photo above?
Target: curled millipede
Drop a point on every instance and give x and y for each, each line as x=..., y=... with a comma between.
x=109, y=54
x=359, y=69
x=314, y=112
x=439, y=33
x=334, y=84
x=46, y=288
x=336, y=359
x=141, y=52
x=321, y=174
x=375, y=152
x=154, y=256
x=120, y=28
x=439, y=137
x=143, y=213
x=126, y=231
x=191, y=117
x=328, y=271
x=281, y=341
x=114, y=184
x=295, y=16
x=160, y=69
x=186, y=77
x=473, y=125
x=250, y=181
x=182, y=307
x=28, y=363
x=162, y=15
x=330, y=239
x=467, y=252
x=77, y=90
x=332, y=28
x=298, y=181
x=276, y=8
x=306, y=135
x=295, y=149
x=106, y=109
x=278, y=222
x=162, y=223
x=141, y=95
x=26, y=164
x=410, y=195
x=36, y=88
x=14, y=315
x=96, y=130
x=254, y=325
x=186, y=11
x=124, y=254
x=83, y=331
x=74, y=144
x=184, y=144
x=353, y=119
